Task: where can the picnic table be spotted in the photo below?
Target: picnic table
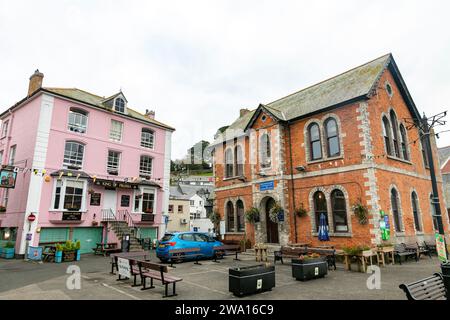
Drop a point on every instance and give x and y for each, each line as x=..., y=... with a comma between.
x=135, y=255
x=385, y=252
x=106, y=248
x=226, y=249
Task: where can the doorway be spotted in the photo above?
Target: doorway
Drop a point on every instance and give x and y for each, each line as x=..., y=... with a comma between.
x=110, y=200
x=271, y=227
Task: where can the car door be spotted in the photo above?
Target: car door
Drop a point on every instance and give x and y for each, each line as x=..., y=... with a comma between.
x=203, y=244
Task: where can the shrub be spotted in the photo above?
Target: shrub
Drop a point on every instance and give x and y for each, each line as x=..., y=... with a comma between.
x=9, y=245
x=355, y=250
x=59, y=247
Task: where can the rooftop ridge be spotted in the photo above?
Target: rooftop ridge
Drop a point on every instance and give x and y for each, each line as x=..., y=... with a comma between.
x=328, y=79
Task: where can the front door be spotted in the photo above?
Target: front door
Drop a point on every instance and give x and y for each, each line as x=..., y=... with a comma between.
x=110, y=200
x=272, y=227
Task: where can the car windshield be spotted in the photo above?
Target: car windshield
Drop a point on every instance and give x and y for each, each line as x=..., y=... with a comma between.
x=167, y=237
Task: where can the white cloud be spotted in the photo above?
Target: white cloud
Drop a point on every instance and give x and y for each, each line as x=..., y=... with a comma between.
x=198, y=62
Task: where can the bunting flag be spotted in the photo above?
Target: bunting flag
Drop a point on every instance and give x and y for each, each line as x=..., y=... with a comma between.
x=78, y=176
x=61, y=174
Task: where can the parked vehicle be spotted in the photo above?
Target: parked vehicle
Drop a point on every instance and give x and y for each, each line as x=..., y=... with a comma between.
x=184, y=240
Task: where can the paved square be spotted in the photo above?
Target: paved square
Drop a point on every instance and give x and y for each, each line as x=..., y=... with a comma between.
x=31, y=280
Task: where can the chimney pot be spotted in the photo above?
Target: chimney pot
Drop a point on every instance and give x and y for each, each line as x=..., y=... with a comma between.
x=35, y=82
x=150, y=114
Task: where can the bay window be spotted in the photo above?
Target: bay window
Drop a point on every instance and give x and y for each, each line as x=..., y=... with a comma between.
x=69, y=195
x=145, y=201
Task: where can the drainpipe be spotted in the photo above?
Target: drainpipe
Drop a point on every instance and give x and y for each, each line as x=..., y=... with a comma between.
x=292, y=181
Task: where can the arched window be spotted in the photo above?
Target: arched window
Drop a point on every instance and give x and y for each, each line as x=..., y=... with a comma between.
x=119, y=105
x=239, y=161
x=395, y=133
x=433, y=213
x=147, y=138
x=73, y=154
x=240, y=216
x=315, y=145
x=332, y=134
x=339, y=211
x=77, y=121
x=230, y=217
x=415, y=208
x=404, y=142
x=424, y=154
x=395, y=211
x=229, y=170
x=320, y=207
x=265, y=151
x=387, y=135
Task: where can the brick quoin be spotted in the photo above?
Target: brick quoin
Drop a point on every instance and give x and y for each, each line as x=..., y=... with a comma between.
x=363, y=172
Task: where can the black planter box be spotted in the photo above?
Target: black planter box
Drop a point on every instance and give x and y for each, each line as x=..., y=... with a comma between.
x=445, y=267
x=309, y=269
x=252, y=279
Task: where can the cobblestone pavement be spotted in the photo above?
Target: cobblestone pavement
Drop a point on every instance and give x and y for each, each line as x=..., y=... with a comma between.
x=31, y=280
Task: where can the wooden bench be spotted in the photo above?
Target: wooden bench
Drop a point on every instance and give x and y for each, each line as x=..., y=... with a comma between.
x=400, y=250
x=225, y=250
x=431, y=288
x=139, y=255
x=106, y=248
x=431, y=247
x=179, y=255
x=288, y=252
x=156, y=271
x=419, y=249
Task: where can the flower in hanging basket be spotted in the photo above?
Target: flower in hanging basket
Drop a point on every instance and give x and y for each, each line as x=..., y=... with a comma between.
x=252, y=215
x=361, y=212
x=2, y=209
x=301, y=212
x=274, y=213
x=91, y=191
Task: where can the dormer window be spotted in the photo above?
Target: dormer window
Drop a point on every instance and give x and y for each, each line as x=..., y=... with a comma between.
x=119, y=105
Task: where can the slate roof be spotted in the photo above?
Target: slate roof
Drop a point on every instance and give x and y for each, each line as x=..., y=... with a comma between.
x=182, y=191
x=94, y=100
x=352, y=85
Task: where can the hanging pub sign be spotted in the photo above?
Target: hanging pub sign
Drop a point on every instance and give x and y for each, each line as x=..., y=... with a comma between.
x=8, y=179
x=71, y=216
x=115, y=184
x=95, y=199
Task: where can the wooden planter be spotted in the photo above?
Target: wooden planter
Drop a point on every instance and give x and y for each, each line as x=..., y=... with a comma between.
x=308, y=269
x=8, y=253
x=249, y=280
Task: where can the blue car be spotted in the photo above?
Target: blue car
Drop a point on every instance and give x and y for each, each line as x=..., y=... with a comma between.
x=184, y=240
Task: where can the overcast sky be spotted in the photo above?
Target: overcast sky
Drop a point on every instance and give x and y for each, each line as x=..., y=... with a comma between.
x=196, y=63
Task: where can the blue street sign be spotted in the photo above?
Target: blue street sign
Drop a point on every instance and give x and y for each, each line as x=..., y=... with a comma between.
x=268, y=185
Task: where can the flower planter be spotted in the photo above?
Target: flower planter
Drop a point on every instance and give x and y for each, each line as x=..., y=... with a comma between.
x=58, y=256
x=308, y=269
x=68, y=256
x=8, y=253
x=252, y=279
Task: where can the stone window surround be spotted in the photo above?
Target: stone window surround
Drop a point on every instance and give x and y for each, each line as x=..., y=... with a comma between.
x=400, y=211
x=419, y=212
x=386, y=84
x=327, y=192
x=233, y=201
x=233, y=148
x=323, y=139
x=391, y=141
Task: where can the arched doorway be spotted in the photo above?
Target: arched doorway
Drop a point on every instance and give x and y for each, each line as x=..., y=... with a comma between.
x=271, y=227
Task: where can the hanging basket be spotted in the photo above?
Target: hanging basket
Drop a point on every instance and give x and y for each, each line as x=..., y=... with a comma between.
x=252, y=215
x=276, y=213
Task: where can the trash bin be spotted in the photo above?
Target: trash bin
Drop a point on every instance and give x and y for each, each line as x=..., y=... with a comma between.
x=35, y=253
x=445, y=267
x=125, y=244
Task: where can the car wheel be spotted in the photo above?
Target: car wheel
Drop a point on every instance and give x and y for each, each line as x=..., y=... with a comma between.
x=163, y=260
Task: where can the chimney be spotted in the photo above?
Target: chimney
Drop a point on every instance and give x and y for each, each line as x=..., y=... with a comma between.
x=150, y=114
x=35, y=82
x=243, y=112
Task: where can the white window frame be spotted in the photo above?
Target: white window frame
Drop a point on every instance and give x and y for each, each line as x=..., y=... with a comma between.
x=63, y=195
x=145, y=143
x=5, y=128
x=141, y=191
x=12, y=155
x=146, y=173
x=124, y=105
x=119, y=158
x=80, y=116
x=66, y=164
x=113, y=134
x=1, y=157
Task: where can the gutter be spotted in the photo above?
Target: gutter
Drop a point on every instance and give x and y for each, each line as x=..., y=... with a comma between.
x=292, y=181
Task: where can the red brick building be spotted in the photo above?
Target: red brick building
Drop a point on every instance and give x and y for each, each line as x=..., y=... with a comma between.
x=324, y=149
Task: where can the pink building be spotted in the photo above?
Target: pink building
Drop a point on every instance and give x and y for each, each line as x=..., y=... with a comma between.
x=85, y=165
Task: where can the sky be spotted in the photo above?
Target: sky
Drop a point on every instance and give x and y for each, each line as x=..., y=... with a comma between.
x=196, y=63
